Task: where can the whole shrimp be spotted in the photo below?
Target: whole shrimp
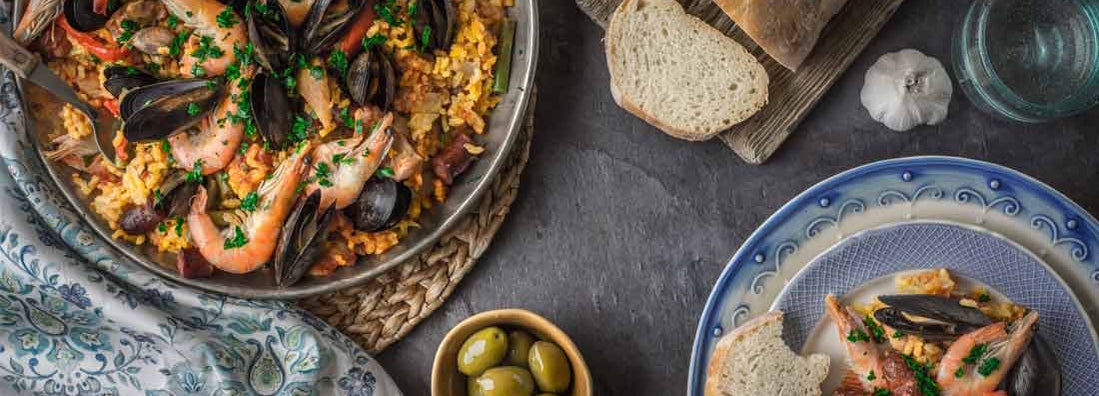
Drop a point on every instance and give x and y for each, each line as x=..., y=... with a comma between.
x=867, y=356
x=218, y=136
x=358, y=157
x=38, y=16
x=201, y=15
x=1004, y=344
x=260, y=228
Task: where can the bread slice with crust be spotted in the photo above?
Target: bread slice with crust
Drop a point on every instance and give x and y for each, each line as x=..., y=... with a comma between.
x=754, y=360
x=678, y=73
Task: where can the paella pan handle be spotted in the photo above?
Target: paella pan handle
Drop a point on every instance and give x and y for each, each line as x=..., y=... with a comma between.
x=16, y=58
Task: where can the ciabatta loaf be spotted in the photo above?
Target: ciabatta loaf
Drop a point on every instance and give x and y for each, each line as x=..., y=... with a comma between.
x=753, y=360
x=678, y=73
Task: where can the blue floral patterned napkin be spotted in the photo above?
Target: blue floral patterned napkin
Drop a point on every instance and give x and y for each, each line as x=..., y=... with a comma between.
x=77, y=318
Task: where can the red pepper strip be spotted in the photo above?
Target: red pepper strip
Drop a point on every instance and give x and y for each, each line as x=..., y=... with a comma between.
x=351, y=43
x=100, y=7
x=93, y=44
x=112, y=106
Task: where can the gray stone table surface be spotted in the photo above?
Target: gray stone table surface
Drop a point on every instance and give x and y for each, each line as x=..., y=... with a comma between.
x=619, y=231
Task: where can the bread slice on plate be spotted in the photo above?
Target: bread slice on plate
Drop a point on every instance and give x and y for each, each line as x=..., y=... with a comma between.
x=754, y=360
x=678, y=73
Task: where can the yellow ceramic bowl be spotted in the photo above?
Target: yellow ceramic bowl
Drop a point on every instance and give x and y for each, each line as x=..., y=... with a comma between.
x=447, y=381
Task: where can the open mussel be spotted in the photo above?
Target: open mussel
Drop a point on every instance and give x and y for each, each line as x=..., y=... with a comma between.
x=273, y=39
x=1035, y=373
x=372, y=79
x=119, y=79
x=172, y=199
x=326, y=22
x=381, y=204
x=434, y=23
x=940, y=318
x=83, y=16
x=302, y=240
x=160, y=110
x=272, y=109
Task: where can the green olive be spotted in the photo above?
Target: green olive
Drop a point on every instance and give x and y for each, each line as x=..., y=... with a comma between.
x=519, y=343
x=550, y=367
x=473, y=388
x=483, y=349
x=506, y=381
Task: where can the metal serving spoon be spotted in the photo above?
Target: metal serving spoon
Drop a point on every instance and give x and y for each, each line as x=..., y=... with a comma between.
x=27, y=65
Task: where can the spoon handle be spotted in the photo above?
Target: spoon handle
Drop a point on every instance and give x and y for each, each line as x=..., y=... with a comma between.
x=16, y=58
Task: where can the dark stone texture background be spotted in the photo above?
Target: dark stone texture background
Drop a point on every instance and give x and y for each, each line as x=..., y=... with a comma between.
x=619, y=231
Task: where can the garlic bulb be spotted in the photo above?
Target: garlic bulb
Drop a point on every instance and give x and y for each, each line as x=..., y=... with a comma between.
x=906, y=88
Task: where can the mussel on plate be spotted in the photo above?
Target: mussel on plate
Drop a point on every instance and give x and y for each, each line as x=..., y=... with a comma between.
x=372, y=79
x=273, y=39
x=942, y=318
x=434, y=22
x=302, y=240
x=160, y=110
x=381, y=204
x=326, y=22
x=272, y=109
x=82, y=15
x=119, y=79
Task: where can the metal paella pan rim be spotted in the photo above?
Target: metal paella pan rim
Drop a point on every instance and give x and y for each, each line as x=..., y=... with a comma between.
x=504, y=124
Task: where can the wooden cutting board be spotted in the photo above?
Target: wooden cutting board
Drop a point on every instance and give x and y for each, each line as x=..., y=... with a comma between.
x=792, y=95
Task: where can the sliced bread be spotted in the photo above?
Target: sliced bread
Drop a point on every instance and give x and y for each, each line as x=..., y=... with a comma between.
x=678, y=73
x=754, y=360
x=786, y=29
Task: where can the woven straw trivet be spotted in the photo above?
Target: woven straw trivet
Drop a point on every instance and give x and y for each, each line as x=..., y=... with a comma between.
x=386, y=308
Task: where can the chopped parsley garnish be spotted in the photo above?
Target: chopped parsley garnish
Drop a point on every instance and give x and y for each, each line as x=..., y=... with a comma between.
x=323, y=173
x=238, y=239
x=871, y=376
x=342, y=159
x=248, y=204
x=157, y=198
x=988, y=366
x=299, y=130
x=375, y=40
x=243, y=148
x=385, y=172
x=193, y=109
x=975, y=354
x=856, y=335
x=385, y=11
x=345, y=115
x=316, y=71
x=165, y=146
x=197, y=70
x=925, y=380
x=897, y=334
x=876, y=331
x=173, y=21
x=881, y=392
x=132, y=71
x=195, y=174
x=176, y=47
x=425, y=37
x=338, y=60
x=162, y=228
x=207, y=49
x=226, y=18
x=413, y=6
x=984, y=297
x=128, y=29
x=179, y=226
x=153, y=67
x=959, y=373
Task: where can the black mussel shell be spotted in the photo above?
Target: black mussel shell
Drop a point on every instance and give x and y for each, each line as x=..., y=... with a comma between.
x=1035, y=373
x=81, y=17
x=441, y=17
x=163, y=109
x=933, y=331
x=943, y=309
x=173, y=199
x=382, y=203
x=302, y=240
x=272, y=109
x=273, y=38
x=325, y=24
x=238, y=6
x=118, y=79
x=372, y=79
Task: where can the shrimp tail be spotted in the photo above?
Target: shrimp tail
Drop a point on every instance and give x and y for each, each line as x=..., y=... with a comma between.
x=39, y=15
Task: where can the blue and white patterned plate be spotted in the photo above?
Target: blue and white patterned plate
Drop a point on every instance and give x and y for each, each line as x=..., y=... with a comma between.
x=983, y=196
x=863, y=266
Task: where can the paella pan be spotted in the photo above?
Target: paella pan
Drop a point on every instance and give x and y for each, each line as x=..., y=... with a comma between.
x=277, y=148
